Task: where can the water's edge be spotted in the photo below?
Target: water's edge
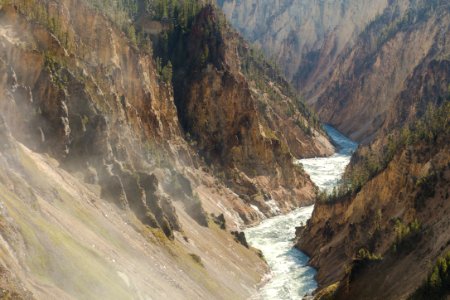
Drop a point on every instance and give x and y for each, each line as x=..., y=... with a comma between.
x=291, y=277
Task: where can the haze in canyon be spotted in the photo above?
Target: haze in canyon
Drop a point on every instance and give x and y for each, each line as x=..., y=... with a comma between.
x=237, y=149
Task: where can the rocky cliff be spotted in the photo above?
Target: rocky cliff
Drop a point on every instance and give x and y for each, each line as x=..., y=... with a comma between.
x=379, y=73
x=115, y=181
x=60, y=239
x=379, y=239
x=303, y=37
x=242, y=115
x=368, y=79
x=351, y=61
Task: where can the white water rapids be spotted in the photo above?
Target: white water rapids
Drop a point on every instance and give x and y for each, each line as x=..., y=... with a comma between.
x=291, y=277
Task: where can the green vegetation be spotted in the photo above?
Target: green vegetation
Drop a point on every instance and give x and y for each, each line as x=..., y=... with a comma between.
x=36, y=11
x=433, y=125
x=437, y=285
x=407, y=236
x=435, y=122
x=197, y=259
x=179, y=14
x=339, y=193
x=265, y=74
x=180, y=11
x=365, y=255
x=166, y=72
x=170, y=48
x=119, y=11
x=328, y=293
x=426, y=186
x=363, y=259
x=55, y=67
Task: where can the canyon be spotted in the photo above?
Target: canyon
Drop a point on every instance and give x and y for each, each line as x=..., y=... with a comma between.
x=379, y=74
x=124, y=176
x=148, y=148
x=378, y=241
x=350, y=60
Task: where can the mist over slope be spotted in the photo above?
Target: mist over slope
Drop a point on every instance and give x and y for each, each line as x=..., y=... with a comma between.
x=61, y=240
x=119, y=182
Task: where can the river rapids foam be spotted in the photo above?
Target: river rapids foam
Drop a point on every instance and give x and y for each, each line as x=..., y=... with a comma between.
x=291, y=277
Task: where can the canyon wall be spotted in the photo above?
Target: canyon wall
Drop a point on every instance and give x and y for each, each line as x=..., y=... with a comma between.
x=367, y=81
x=116, y=182
x=381, y=240
x=378, y=72
x=303, y=37
x=350, y=61
x=250, y=127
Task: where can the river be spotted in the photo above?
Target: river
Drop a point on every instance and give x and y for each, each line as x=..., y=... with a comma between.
x=290, y=276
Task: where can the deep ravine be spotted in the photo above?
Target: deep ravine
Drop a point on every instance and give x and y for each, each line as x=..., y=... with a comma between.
x=291, y=277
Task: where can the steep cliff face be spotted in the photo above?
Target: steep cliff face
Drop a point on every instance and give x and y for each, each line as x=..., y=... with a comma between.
x=235, y=122
x=351, y=61
x=427, y=86
x=368, y=79
x=114, y=186
x=61, y=240
x=303, y=37
x=57, y=103
x=118, y=211
x=380, y=240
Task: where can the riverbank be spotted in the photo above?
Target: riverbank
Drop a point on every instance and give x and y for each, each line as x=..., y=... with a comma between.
x=291, y=277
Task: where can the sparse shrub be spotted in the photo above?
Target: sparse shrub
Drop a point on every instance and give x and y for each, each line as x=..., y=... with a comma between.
x=166, y=72
x=131, y=33
x=427, y=186
x=365, y=255
x=220, y=220
x=328, y=293
x=197, y=259
x=368, y=164
x=437, y=285
x=406, y=235
x=363, y=259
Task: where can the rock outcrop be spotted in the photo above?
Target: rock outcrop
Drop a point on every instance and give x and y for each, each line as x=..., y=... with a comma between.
x=368, y=79
x=109, y=172
x=378, y=241
x=57, y=103
x=351, y=61
x=218, y=107
x=304, y=37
